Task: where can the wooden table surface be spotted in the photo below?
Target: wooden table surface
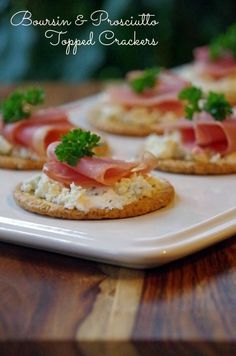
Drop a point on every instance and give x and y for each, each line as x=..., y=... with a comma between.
x=57, y=305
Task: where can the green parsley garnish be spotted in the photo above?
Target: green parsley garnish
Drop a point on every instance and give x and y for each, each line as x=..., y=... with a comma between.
x=18, y=105
x=217, y=106
x=224, y=43
x=192, y=95
x=75, y=145
x=146, y=80
x=213, y=103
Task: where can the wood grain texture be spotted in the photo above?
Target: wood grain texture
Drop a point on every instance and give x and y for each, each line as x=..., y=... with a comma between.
x=50, y=302
x=58, y=305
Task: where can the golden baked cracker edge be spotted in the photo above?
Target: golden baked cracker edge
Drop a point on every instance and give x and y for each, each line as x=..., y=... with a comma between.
x=19, y=163
x=196, y=167
x=160, y=199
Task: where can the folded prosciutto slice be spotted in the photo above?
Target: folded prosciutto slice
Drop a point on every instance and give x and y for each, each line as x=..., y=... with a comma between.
x=206, y=133
x=63, y=173
x=163, y=96
x=93, y=171
x=219, y=136
x=38, y=131
x=218, y=68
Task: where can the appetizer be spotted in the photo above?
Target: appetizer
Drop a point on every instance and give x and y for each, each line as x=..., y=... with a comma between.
x=214, y=66
x=75, y=184
x=204, y=142
x=146, y=103
x=24, y=136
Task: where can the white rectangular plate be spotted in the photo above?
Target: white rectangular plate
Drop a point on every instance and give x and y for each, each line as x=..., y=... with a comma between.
x=203, y=213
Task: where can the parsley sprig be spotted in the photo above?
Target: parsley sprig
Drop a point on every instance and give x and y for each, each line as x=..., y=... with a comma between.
x=146, y=80
x=18, y=105
x=213, y=103
x=217, y=106
x=192, y=95
x=75, y=145
x=225, y=42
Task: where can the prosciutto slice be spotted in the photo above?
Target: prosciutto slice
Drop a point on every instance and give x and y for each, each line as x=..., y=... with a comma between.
x=218, y=68
x=52, y=114
x=65, y=175
x=37, y=132
x=206, y=133
x=163, y=96
x=219, y=136
x=93, y=171
x=38, y=138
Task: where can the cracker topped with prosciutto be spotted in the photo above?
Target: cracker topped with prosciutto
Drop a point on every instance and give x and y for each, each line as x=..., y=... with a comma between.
x=142, y=105
x=25, y=135
x=75, y=184
x=204, y=142
x=214, y=66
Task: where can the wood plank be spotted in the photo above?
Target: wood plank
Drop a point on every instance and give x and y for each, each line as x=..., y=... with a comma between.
x=191, y=303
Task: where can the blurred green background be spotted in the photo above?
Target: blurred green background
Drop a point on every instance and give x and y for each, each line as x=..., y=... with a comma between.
x=25, y=53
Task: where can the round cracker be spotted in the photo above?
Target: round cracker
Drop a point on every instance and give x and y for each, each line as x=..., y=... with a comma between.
x=160, y=198
x=102, y=150
x=196, y=167
x=19, y=163
x=225, y=85
x=121, y=128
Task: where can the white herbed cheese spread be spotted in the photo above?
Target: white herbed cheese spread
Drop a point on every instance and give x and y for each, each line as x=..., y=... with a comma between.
x=169, y=147
x=138, y=115
x=6, y=148
x=165, y=146
x=124, y=192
